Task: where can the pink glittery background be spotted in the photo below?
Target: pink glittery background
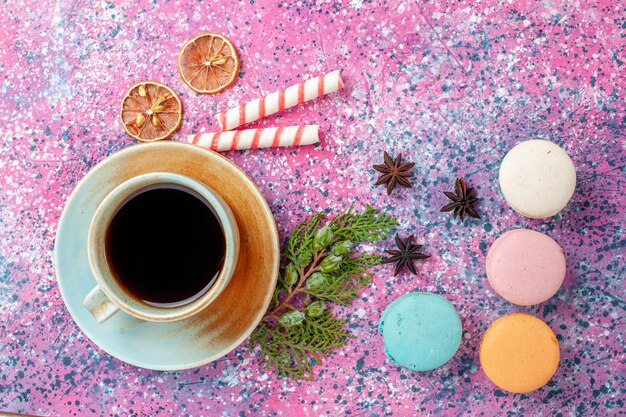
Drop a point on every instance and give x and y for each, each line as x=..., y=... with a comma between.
x=450, y=84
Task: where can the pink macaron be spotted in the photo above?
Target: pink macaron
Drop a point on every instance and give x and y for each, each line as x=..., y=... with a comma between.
x=525, y=267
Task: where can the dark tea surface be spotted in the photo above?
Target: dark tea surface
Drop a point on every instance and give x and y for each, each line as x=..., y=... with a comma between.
x=165, y=246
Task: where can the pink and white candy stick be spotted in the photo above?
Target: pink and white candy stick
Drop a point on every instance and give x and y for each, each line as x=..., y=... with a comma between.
x=257, y=138
x=280, y=100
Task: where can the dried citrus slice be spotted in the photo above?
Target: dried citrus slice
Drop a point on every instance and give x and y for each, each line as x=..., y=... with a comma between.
x=208, y=63
x=151, y=111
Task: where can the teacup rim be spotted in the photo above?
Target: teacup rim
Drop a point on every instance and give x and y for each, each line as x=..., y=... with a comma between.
x=95, y=246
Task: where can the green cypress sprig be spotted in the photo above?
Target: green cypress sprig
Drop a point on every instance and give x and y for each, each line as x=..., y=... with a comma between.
x=321, y=267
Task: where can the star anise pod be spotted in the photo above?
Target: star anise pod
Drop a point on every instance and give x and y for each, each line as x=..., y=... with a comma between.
x=394, y=172
x=405, y=255
x=462, y=200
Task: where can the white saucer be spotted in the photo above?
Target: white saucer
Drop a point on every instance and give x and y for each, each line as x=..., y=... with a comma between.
x=226, y=322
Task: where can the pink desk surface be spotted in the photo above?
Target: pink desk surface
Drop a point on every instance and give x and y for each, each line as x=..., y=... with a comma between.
x=451, y=84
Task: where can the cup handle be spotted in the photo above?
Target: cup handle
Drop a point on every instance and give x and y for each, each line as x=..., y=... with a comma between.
x=99, y=305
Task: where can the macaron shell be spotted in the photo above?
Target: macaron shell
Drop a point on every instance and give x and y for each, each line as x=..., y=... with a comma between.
x=525, y=267
x=519, y=353
x=421, y=331
x=537, y=178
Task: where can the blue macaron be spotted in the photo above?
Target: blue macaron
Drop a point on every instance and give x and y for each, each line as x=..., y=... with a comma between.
x=421, y=331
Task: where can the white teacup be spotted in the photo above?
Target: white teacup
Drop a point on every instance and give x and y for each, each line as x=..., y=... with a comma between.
x=109, y=295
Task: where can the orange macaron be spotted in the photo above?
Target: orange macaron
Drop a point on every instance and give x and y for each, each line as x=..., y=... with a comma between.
x=519, y=353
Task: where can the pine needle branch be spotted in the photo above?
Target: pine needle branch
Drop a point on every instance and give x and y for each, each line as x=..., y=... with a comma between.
x=320, y=268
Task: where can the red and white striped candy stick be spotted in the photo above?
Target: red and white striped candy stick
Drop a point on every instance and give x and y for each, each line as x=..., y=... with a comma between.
x=257, y=138
x=280, y=100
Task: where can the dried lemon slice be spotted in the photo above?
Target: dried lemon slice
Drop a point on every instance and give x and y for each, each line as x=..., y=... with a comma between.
x=151, y=111
x=208, y=63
